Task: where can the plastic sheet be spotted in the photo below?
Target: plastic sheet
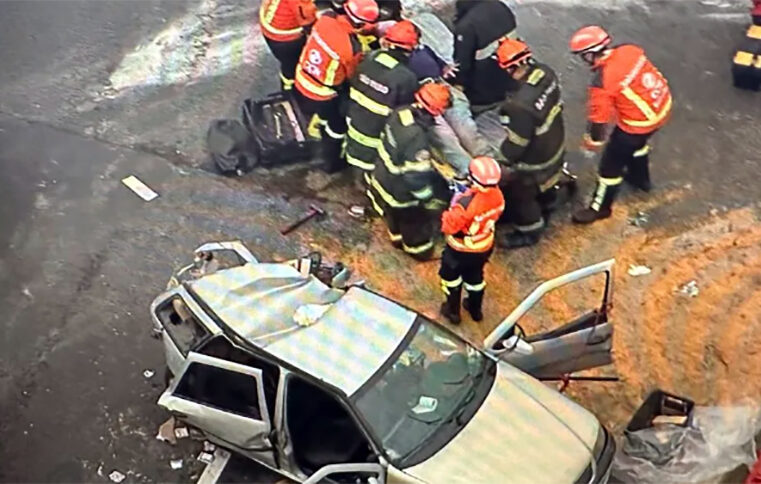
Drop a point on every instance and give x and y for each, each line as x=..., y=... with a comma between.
x=719, y=440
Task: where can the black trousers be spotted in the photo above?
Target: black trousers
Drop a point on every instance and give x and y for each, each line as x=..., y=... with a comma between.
x=522, y=207
x=287, y=53
x=463, y=267
x=411, y=229
x=332, y=127
x=624, y=152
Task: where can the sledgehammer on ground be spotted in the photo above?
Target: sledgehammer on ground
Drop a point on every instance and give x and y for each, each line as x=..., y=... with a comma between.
x=313, y=212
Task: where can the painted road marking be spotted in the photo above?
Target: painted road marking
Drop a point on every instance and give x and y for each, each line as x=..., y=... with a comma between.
x=209, y=41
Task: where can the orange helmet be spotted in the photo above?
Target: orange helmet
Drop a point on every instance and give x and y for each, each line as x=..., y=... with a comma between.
x=362, y=12
x=512, y=53
x=434, y=97
x=403, y=34
x=485, y=171
x=590, y=39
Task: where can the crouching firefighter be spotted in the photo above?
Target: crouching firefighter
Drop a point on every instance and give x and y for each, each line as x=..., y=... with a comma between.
x=469, y=229
x=405, y=187
x=628, y=87
x=285, y=24
x=382, y=82
x=329, y=59
x=534, y=144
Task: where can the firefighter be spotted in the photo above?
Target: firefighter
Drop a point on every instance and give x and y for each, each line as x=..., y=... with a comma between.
x=382, y=82
x=479, y=27
x=285, y=24
x=329, y=59
x=746, y=63
x=469, y=229
x=627, y=86
x=404, y=187
x=389, y=12
x=534, y=143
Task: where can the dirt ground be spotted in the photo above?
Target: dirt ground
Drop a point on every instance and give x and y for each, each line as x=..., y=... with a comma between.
x=702, y=347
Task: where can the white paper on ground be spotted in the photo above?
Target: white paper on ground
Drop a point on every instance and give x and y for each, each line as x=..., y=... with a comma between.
x=141, y=189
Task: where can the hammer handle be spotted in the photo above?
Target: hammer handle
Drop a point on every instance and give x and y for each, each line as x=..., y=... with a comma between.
x=312, y=213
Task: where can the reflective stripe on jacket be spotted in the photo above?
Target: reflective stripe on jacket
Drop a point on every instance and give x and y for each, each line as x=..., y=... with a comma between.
x=382, y=82
x=405, y=176
x=329, y=58
x=284, y=20
x=470, y=222
x=630, y=88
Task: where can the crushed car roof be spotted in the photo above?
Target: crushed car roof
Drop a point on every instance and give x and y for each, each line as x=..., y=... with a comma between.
x=344, y=346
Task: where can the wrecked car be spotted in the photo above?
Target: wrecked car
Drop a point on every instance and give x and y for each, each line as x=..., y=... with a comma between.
x=322, y=381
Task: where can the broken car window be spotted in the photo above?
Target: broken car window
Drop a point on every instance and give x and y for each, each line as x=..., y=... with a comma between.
x=219, y=388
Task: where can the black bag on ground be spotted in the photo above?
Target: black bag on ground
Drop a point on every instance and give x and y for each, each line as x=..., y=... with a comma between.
x=746, y=64
x=279, y=130
x=231, y=147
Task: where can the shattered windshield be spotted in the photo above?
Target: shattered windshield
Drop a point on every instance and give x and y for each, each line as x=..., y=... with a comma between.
x=431, y=386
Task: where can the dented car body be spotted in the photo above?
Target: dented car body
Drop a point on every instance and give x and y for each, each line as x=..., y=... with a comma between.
x=324, y=383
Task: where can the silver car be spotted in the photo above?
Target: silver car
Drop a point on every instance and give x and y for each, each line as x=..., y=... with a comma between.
x=325, y=383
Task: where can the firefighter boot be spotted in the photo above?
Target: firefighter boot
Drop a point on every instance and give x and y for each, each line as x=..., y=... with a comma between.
x=473, y=303
x=518, y=239
x=638, y=174
x=450, y=309
x=332, y=151
x=600, y=208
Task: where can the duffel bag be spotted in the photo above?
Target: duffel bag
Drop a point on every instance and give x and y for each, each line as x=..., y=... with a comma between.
x=231, y=147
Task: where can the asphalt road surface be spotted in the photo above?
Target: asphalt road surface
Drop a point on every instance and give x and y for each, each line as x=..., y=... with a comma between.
x=93, y=91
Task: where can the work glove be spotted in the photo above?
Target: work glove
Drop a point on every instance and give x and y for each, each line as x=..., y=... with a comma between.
x=588, y=144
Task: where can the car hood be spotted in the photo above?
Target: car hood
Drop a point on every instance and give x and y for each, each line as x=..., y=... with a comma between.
x=525, y=432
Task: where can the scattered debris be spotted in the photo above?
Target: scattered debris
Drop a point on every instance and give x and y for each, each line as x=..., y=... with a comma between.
x=196, y=434
x=181, y=433
x=116, y=476
x=148, y=374
x=637, y=270
x=208, y=446
x=639, y=220
x=690, y=289
x=166, y=432
x=26, y=292
x=175, y=464
x=357, y=211
x=205, y=457
x=100, y=470
x=141, y=189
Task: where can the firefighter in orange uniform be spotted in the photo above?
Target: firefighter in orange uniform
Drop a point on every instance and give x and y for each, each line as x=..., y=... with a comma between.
x=628, y=87
x=468, y=225
x=285, y=24
x=328, y=60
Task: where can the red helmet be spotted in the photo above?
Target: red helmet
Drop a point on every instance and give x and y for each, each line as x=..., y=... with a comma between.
x=434, y=97
x=403, y=34
x=485, y=171
x=590, y=39
x=362, y=12
x=512, y=53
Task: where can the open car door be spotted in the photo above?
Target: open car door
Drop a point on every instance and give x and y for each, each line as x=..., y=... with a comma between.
x=222, y=399
x=581, y=344
x=364, y=473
